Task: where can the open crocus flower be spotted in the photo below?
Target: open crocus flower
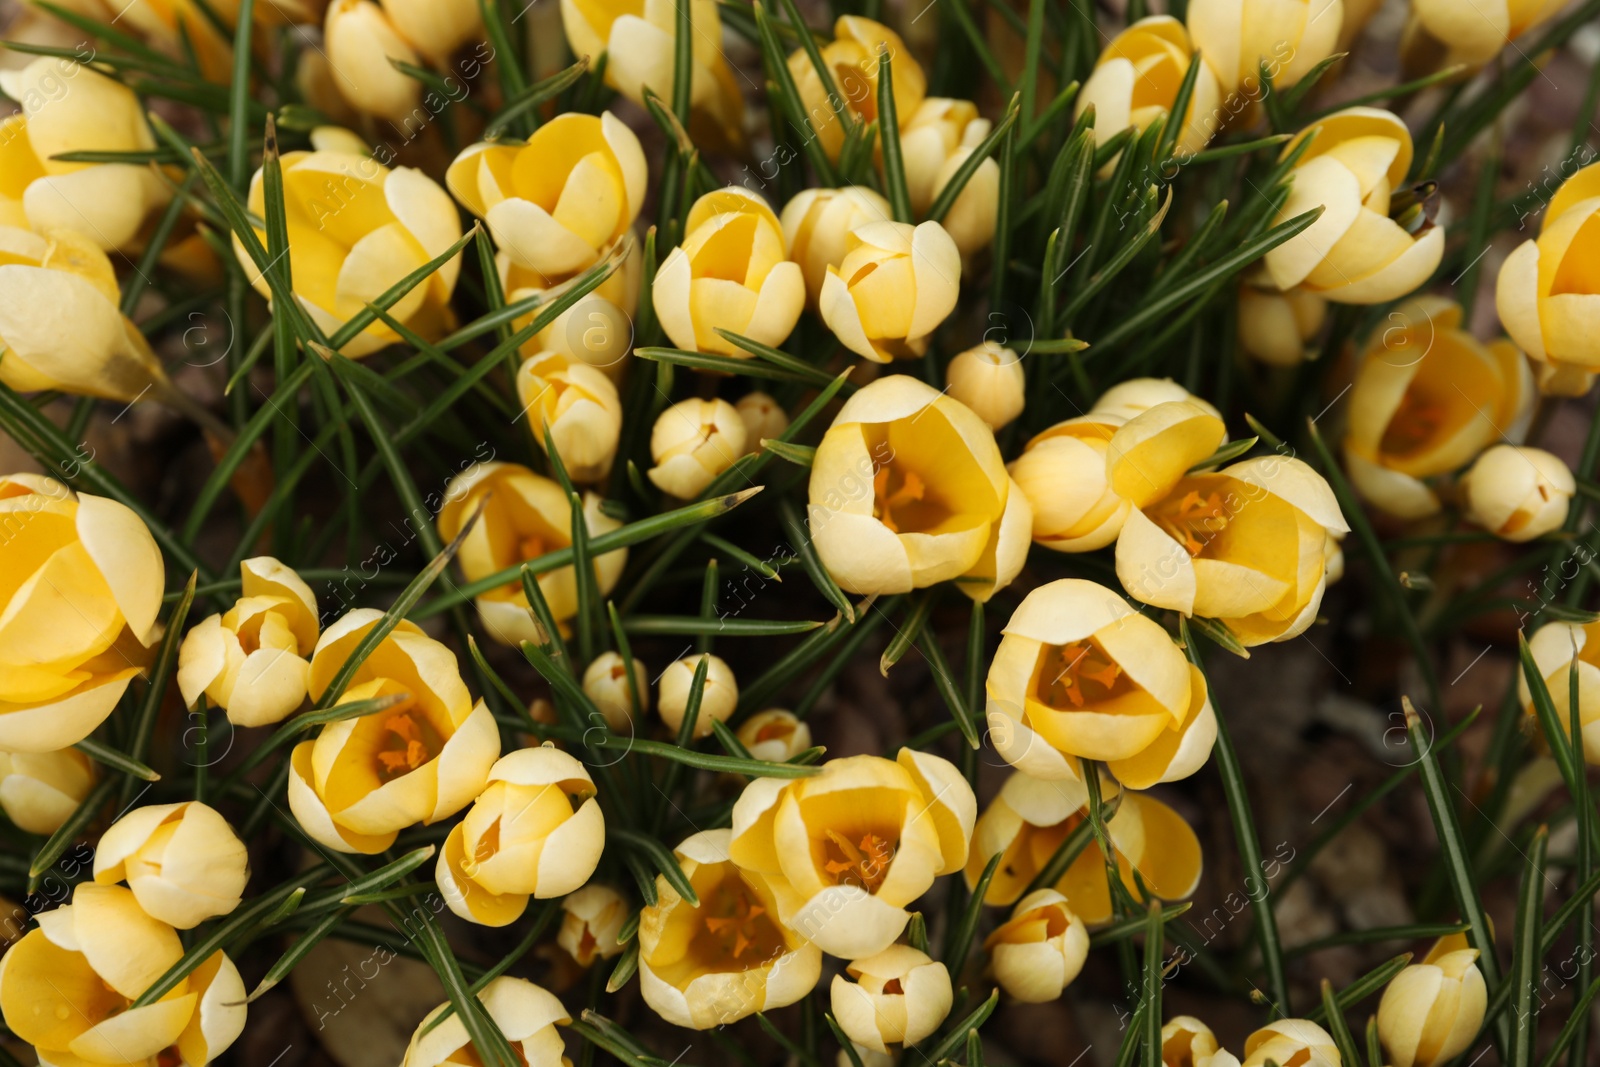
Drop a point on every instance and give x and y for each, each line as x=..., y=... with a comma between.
x=730, y=272
x=526, y=1013
x=938, y=138
x=850, y=848
x=535, y=831
x=908, y=489
x=1246, y=545
x=40, y=790
x=252, y=660
x=67, y=107
x=895, y=285
x=365, y=38
x=1276, y=327
x=1355, y=253
x=692, y=442
x=895, y=997
x=1547, y=294
x=577, y=406
x=817, y=224
x=1081, y=675
x=1559, y=649
x=526, y=516
x=1237, y=36
x=591, y=920
x=1030, y=818
x=1136, y=81
x=708, y=964
x=1427, y=397
x=554, y=204
x=67, y=988
x=1062, y=472
x=852, y=61
x=1431, y=1011
x=355, y=229
x=1518, y=493
x=1445, y=33
x=80, y=586
x=363, y=780
x=1297, y=1041
x=1039, y=952
x=183, y=861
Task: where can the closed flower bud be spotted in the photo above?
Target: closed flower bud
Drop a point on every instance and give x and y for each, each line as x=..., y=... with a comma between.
x=183, y=862
x=71, y=108
x=591, y=919
x=1080, y=675
x=1546, y=293
x=40, y=790
x=526, y=516
x=937, y=140
x=1039, y=952
x=1237, y=36
x=365, y=38
x=598, y=329
x=817, y=224
x=850, y=848
x=1519, y=493
x=988, y=378
x=1275, y=327
x=1561, y=649
x=1355, y=253
x=78, y=617
x=1030, y=818
x=1062, y=472
x=1138, y=395
x=730, y=272
x=606, y=684
x=1297, y=1041
x=1447, y=33
x=252, y=661
x=363, y=780
x=554, y=204
x=895, y=997
x=1427, y=397
x=67, y=988
x=577, y=407
x=692, y=442
x=1188, y=1042
x=852, y=59
x=525, y=1013
x=709, y=964
x=1245, y=545
x=774, y=735
x=356, y=228
x=763, y=418
x=718, y=698
x=895, y=285
x=536, y=830
x=1136, y=81
x=1431, y=1011
x=908, y=489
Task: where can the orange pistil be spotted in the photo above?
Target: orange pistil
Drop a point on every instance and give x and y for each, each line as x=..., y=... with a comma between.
x=1077, y=674
x=1194, y=520
x=735, y=929
x=407, y=749
x=864, y=863
x=532, y=547
x=910, y=490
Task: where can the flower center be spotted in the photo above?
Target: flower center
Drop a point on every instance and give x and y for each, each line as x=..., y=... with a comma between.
x=736, y=931
x=1415, y=423
x=863, y=861
x=1193, y=519
x=411, y=741
x=1078, y=674
x=532, y=546
x=900, y=500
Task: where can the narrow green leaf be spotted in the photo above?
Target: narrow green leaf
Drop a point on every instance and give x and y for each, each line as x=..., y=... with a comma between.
x=116, y=760
x=894, y=168
x=68, y=831
x=945, y=682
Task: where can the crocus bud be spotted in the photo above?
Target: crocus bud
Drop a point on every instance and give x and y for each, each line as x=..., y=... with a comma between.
x=1546, y=296
x=1062, y=472
x=1138, y=395
x=1561, y=649
x=908, y=489
x=1188, y=1042
x=1274, y=326
x=536, y=830
x=717, y=699
x=989, y=379
x=598, y=329
x=606, y=684
x=1297, y=1041
x=897, y=997
x=555, y=203
x=1445, y=33
x=1519, y=493
x=1080, y=675
x=365, y=38
x=1237, y=36
x=774, y=735
x=817, y=225
x=1427, y=397
x=67, y=107
x=1431, y=1011
x=1136, y=80
x=183, y=862
x=525, y=1013
x=591, y=919
x=763, y=418
x=40, y=790
x=937, y=140
x=730, y=272
x=83, y=584
x=692, y=442
x=1039, y=952
x=577, y=407
x=895, y=285
x=252, y=661
x=852, y=59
